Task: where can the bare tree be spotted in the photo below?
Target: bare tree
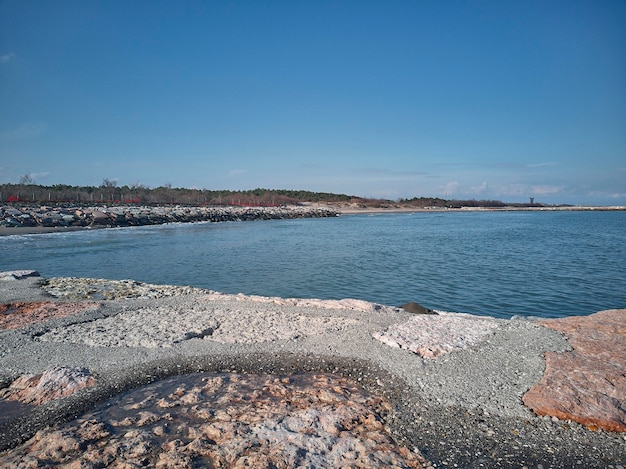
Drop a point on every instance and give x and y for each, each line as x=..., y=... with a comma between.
x=27, y=180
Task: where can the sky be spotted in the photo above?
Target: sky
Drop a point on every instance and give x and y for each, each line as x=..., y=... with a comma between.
x=385, y=99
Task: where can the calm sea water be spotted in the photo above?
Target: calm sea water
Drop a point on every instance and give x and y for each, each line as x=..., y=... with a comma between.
x=548, y=264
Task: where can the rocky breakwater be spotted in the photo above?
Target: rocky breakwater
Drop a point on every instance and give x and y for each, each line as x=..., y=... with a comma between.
x=33, y=215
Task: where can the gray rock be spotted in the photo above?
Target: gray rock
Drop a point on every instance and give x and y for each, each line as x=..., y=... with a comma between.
x=18, y=274
x=416, y=308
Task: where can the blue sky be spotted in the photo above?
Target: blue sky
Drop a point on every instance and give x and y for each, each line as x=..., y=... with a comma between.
x=456, y=99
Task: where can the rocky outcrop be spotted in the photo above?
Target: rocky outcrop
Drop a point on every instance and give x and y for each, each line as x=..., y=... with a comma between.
x=588, y=384
x=115, y=216
x=227, y=420
x=51, y=384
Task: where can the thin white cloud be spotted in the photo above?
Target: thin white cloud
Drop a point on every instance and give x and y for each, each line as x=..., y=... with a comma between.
x=608, y=195
x=236, y=172
x=385, y=173
x=546, y=190
x=5, y=58
x=540, y=165
x=40, y=175
x=25, y=131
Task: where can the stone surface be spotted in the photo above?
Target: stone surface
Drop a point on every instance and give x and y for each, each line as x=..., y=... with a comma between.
x=463, y=409
x=157, y=326
x=588, y=384
x=72, y=288
x=18, y=274
x=227, y=420
x=433, y=335
x=51, y=384
x=20, y=314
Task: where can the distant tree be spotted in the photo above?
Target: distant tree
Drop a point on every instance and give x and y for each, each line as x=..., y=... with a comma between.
x=110, y=183
x=27, y=180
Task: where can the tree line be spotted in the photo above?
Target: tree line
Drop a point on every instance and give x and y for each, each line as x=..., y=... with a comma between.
x=110, y=193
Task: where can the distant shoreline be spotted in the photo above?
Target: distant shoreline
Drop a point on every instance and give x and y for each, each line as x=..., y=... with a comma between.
x=351, y=210
x=340, y=209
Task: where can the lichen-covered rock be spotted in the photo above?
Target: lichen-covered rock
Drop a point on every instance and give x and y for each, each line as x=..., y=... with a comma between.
x=588, y=384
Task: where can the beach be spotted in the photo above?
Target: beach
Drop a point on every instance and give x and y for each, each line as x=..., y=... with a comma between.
x=450, y=397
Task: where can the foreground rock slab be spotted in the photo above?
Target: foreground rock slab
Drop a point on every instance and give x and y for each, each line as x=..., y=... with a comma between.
x=588, y=384
x=227, y=420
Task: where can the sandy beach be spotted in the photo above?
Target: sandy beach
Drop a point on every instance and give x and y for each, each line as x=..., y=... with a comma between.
x=452, y=385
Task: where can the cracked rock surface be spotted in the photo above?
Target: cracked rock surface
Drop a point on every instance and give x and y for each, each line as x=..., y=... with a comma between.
x=228, y=420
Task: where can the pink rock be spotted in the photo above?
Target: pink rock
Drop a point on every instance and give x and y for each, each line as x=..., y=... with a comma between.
x=21, y=314
x=51, y=384
x=588, y=384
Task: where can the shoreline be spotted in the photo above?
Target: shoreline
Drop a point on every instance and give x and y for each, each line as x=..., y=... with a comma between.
x=316, y=211
x=461, y=407
x=351, y=210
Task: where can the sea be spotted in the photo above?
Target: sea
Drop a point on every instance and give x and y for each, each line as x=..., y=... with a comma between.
x=501, y=264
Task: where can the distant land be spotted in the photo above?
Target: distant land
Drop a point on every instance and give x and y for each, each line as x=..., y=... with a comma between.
x=109, y=193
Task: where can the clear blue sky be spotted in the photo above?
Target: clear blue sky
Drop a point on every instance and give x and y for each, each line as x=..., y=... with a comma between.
x=458, y=99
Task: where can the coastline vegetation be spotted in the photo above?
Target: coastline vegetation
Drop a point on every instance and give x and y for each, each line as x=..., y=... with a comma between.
x=110, y=193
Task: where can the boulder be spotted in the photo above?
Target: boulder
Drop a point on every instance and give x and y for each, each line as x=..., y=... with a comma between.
x=588, y=384
x=416, y=308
